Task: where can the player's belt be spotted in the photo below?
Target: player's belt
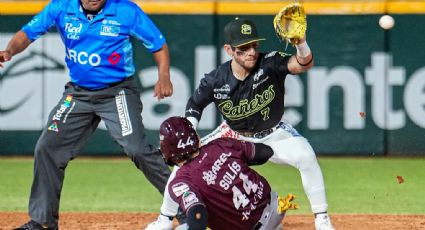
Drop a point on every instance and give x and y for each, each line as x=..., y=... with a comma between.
x=257, y=226
x=262, y=133
x=110, y=85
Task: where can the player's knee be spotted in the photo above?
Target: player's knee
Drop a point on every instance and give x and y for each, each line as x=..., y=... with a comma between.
x=308, y=164
x=44, y=147
x=296, y=152
x=133, y=153
x=307, y=160
x=47, y=150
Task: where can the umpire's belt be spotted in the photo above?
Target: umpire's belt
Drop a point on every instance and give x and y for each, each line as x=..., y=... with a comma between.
x=262, y=133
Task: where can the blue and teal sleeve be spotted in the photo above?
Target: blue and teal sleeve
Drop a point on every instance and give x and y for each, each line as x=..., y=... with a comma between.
x=41, y=22
x=146, y=31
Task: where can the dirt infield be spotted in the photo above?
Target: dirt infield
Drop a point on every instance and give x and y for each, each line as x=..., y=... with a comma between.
x=129, y=221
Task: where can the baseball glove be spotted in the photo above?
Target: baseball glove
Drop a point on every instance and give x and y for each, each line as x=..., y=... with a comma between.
x=290, y=23
x=285, y=203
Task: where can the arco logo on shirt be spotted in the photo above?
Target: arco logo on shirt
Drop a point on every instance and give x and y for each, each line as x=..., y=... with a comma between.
x=83, y=57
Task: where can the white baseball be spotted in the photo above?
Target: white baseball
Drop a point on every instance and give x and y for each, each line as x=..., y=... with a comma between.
x=386, y=22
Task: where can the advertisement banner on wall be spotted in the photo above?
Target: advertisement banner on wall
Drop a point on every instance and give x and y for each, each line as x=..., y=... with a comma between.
x=360, y=98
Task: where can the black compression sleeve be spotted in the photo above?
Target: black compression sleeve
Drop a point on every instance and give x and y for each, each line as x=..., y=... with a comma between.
x=193, y=110
x=197, y=217
x=262, y=154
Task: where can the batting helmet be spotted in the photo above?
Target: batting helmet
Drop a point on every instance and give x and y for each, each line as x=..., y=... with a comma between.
x=178, y=140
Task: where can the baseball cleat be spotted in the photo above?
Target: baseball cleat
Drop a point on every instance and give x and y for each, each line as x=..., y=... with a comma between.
x=162, y=223
x=323, y=222
x=32, y=225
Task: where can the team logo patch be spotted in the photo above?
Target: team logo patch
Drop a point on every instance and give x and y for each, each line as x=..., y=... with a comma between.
x=73, y=30
x=283, y=54
x=221, y=93
x=258, y=74
x=203, y=158
x=34, y=20
x=255, y=85
x=111, y=22
x=114, y=58
x=220, y=96
x=224, y=89
x=68, y=100
x=246, y=29
x=190, y=110
x=209, y=177
x=189, y=198
x=54, y=127
x=109, y=30
x=289, y=129
x=180, y=188
x=271, y=54
x=66, y=104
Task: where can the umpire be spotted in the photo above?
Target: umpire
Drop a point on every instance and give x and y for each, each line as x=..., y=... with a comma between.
x=99, y=57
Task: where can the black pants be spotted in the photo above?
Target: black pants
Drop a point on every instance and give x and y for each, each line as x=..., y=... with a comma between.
x=71, y=122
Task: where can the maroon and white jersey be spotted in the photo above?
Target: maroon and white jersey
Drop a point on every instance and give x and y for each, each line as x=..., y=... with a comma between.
x=234, y=194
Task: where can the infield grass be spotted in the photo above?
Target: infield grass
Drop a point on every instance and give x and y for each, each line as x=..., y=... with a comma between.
x=353, y=185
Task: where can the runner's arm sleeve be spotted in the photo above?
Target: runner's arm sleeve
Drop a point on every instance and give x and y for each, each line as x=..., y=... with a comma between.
x=262, y=154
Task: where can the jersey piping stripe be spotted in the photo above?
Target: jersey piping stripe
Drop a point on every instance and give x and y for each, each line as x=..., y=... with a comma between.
x=244, y=7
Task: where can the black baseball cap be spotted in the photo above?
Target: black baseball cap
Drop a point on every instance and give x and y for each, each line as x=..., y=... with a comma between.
x=240, y=31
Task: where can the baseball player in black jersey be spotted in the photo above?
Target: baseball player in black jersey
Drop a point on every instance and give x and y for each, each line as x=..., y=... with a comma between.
x=249, y=92
x=215, y=185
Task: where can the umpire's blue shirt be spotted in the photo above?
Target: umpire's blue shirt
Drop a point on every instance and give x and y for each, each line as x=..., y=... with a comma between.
x=98, y=52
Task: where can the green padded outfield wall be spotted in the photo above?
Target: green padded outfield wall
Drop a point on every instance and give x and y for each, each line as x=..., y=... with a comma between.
x=365, y=95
